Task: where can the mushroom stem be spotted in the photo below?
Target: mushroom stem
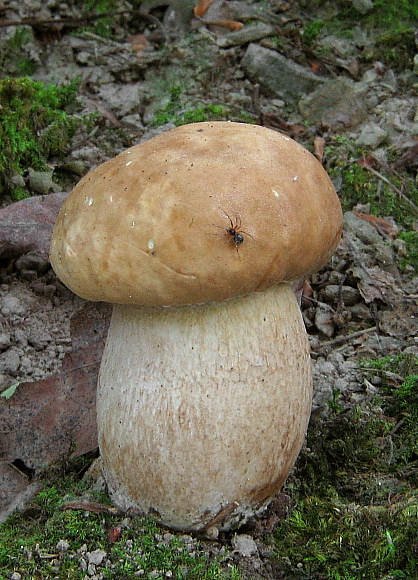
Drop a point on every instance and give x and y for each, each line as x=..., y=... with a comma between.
x=202, y=410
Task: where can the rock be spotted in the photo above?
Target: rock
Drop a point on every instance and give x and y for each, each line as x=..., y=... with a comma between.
x=278, y=74
x=324, y=320
x=32, y=261
x=245, y=35
x=62, y=546
x=372, y=135
x=363, y=6
x=339, y=46
x=96, y=557
x=360, y=228
x=10, y=361
x=13, y=306
x=27, y=225
x=347, y=294
x=395, y=116
x=244, y=545
x=4, y=341
x=41, y=182
x=121, y=99
x=337, y=102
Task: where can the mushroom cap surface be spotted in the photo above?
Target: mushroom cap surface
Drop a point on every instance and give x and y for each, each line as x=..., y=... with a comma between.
x=204, y=212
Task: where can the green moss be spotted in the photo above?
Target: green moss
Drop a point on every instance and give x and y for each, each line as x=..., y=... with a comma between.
x=28, y=540
x=35, y=124
x=360, y=186
x=356, y=486
x=14, y=59
x=387, y=13
x=411, y=240
x=395, y=48
x=103, y=26
x=312, y=31
x=177, y=112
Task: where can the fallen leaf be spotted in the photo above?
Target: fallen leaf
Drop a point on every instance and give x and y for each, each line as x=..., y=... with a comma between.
x=27, y=225
x=317, y=68
x=10, y=391
x=376, y=284
x=382, y=226
x=114, y=533
x=47, y=419
x=319, y=148
x=139, y=42
x=401, y=320
x=230, y=24
x=200, y=9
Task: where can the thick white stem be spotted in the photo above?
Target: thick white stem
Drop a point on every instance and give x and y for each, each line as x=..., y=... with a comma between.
x=202, y=410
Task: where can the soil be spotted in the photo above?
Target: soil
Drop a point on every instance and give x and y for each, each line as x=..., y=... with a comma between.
x=362, y=304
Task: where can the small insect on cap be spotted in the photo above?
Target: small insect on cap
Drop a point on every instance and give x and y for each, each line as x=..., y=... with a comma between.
x=204, y=212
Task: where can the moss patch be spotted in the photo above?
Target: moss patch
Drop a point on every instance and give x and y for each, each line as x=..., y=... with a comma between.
x=133, y=547
x=35, y=125
x=356, y=491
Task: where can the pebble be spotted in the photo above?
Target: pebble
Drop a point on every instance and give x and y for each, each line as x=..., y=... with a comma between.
x=4, y=341
x=10, y=361
x=13, y=306
x=62, y=546
x=347, y=294
x=371, y=135
x=360, y=228
x=244, y=545
x=96, y=557
x=32, y=261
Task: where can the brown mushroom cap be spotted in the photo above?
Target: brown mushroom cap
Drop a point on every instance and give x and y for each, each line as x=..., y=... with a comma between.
x=155, y=225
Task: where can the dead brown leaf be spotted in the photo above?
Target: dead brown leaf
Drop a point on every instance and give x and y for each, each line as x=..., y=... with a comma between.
x=229, y=24
x=201, y=7
x=44, y=420
x=383, y=226
x=376, y=284
x=319, y=148
x=27, y=225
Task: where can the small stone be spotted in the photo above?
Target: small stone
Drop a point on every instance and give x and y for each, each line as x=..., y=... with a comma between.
x=62, y=546
x=347, y=294
x=337, y=102
x=96, y=557
x=4, y=341
x=363, y=6
x=324, y=319
x=244, y=545
x=361, y=228
x=212, y=532
x=15, y=576
x=13, y=306
x=32, y=261
x=372, y=135
x=41, y=182
x=278, y=74
x=10, y=361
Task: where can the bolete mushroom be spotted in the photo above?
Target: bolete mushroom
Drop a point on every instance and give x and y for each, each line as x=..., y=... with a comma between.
x=204, y=390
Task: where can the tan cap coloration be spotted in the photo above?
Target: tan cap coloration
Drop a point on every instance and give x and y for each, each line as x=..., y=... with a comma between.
x=157, y=224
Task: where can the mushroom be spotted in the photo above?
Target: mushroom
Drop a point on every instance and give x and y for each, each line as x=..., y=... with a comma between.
x=204, y=390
